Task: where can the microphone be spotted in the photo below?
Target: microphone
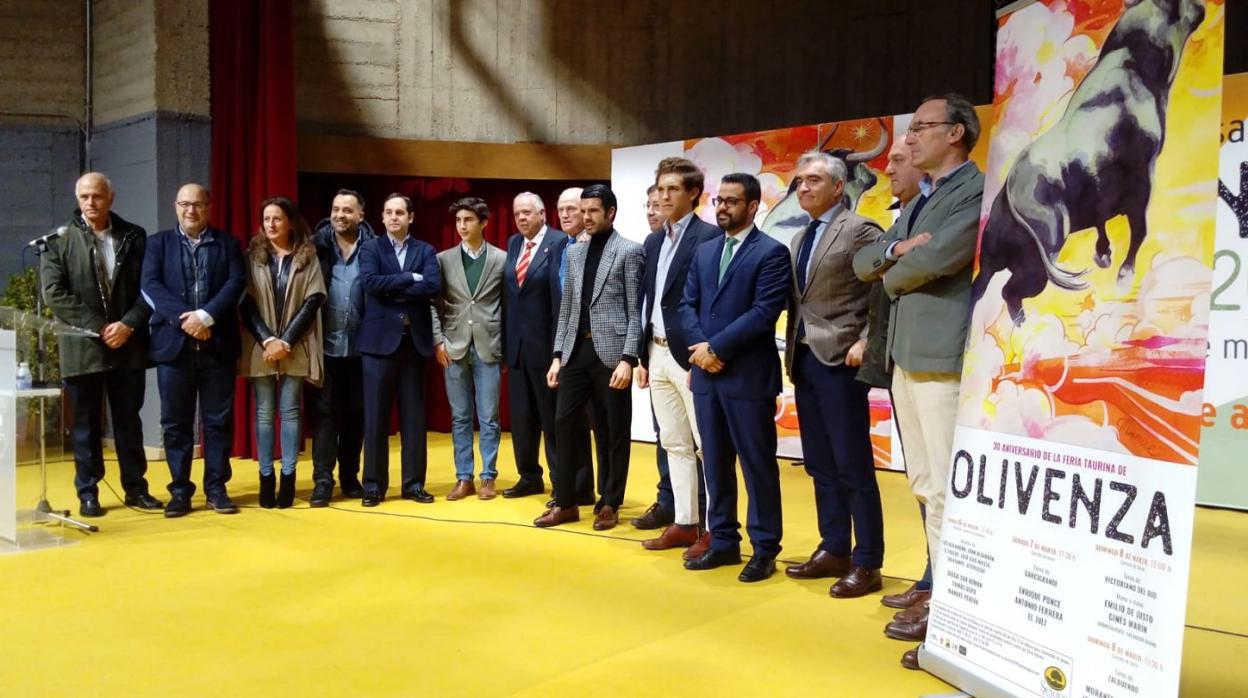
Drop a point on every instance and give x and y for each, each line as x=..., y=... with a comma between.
x=42, y=241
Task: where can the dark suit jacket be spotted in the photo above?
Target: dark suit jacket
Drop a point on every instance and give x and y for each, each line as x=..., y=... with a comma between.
x=394, y=300
x=699, y=231
x=738, y=317
x=164, y=286
x=531, y=313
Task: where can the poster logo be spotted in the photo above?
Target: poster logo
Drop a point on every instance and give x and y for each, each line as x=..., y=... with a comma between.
x=1055, y=678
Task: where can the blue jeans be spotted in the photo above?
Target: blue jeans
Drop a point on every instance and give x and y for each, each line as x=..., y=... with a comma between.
x=470, y=380
x=266, y=401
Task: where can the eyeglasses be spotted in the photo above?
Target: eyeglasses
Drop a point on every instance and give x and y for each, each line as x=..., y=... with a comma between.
x=728, y=201
x=918, y=126
x=192, y=204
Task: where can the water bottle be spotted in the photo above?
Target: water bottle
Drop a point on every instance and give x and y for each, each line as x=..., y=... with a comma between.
x=24, y=381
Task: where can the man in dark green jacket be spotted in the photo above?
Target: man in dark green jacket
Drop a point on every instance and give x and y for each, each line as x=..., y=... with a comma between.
x=91, y=281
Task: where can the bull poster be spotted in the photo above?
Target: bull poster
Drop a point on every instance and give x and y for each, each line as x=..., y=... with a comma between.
x=1068, y=524
x=772, y=157
x=1223, y=471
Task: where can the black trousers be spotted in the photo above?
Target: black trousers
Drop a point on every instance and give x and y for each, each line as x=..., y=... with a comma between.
x=338, y=421
x=197, y=375
x=584, y=380
x=124, y=389
x=532, y=417
x=399, y=375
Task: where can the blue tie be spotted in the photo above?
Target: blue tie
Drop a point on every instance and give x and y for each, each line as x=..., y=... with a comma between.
x=803, y=254
x=803, y=260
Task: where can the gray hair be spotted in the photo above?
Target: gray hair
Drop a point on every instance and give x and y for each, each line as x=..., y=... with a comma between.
x=959, y=110
x=834, y=166
x=108, y=183
x=537, y=200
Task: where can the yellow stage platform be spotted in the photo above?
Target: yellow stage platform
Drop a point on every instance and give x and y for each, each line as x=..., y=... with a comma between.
x=467, y=599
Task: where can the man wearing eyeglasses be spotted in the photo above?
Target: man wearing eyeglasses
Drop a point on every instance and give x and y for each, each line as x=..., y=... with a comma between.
x=193, y=279
x=925, y=260
x=90, y=276
x=665, y=351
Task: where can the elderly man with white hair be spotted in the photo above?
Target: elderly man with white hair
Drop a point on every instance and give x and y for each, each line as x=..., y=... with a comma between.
x=530, y=310
x=91, y=281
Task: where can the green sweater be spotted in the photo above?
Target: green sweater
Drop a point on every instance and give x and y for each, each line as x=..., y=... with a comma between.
x=473, y=268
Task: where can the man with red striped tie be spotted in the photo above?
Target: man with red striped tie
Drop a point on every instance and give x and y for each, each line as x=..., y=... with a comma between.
x=530, y=312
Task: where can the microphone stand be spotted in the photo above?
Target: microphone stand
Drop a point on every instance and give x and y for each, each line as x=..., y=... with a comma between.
x=44, y=513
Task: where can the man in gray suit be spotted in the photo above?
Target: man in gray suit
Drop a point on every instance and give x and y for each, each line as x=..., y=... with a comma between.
x=826, y=338
x=925, y=260
x=599, y=336
x=468, y=342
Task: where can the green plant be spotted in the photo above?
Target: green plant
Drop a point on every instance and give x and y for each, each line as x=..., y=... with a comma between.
x=19, y=294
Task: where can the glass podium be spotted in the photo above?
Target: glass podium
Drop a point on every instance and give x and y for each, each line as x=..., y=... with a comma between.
x=31, y=432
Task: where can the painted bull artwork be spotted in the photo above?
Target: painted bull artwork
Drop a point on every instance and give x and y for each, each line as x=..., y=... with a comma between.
x=787, y=218
x=1095, y=163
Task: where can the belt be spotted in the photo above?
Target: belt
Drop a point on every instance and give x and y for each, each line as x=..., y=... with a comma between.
x=661, y=341
x=587, y=335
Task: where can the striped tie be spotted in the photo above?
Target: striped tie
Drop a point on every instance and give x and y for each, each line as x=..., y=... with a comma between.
x=522, y=267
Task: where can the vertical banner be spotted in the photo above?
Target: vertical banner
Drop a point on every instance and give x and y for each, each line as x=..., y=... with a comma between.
x=1223, y=477
x=1066, y=542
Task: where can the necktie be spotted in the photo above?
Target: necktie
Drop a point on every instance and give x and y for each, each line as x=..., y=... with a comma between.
x=726, y=259
x=522, y=267
x=803, y=253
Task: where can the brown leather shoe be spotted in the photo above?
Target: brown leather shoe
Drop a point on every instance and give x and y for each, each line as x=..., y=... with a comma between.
x=821, y=564
x=463, y=488
x=556, y=515
x=915, y=612
x=674, y=536
x=655, y=517
x=606, y=518
x=859, y=582
x=696, y=550
x=911, y=627
x=907, y=598
x=910, y=659
x=487, y=490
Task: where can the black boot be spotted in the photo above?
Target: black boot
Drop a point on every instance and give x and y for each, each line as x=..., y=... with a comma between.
x=267, y=484
x=286, y=491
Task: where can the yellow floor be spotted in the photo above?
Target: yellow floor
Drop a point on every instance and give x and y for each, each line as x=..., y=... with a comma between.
x=466, y=599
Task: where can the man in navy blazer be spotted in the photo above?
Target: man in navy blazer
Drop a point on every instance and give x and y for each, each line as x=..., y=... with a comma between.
x=530, y=314
x=737, y=287
x=193, y=277
x=400, y=278
x=665, y=353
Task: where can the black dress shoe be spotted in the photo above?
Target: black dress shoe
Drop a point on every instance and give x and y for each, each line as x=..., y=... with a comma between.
x=524, y=488
x=351, y=489
x=372, y=499
x=179, y=505
x=320, y=495
x=222, y=504
x=91, y=507
x=759, y=567
x=714, y=558
x=418, y=495
x=143, y=500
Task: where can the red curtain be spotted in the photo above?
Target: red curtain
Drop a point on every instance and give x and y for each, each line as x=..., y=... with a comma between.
x=432, y=197
x=253, y=132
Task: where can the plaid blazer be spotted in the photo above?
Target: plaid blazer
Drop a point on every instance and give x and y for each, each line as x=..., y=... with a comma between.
x=615, y=312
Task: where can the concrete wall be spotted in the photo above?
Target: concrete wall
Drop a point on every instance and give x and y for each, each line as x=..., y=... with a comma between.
x=41, y=102
x=578, y=71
